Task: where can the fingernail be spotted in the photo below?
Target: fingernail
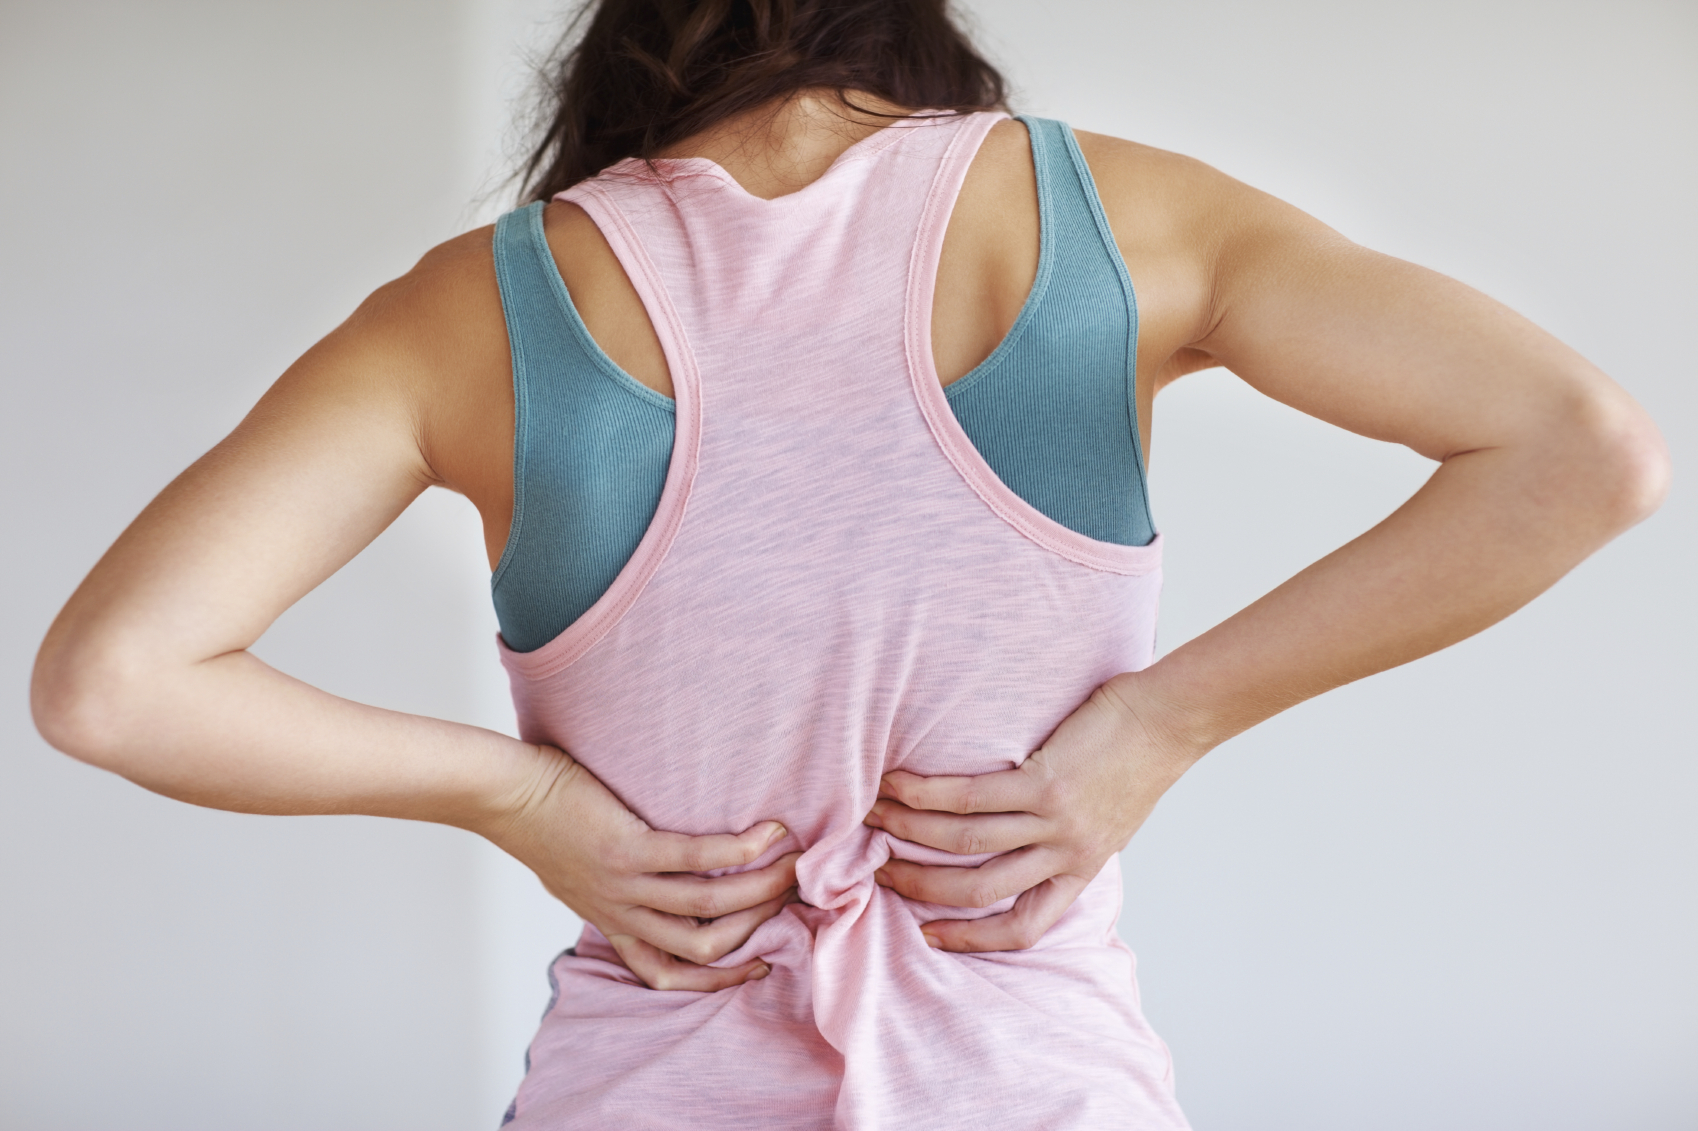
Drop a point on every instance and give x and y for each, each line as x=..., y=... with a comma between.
x=933, y=941
x=779, y=832
x=760, y=972
x=871, y=820
x=882, y=878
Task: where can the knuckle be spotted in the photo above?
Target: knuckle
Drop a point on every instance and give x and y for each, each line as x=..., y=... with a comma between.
x=1066, y=822
x=968, y=842
x=1042, y=795
x=701, y=951
x=703, y=905
x=1055, y=795
x=970, y=800
x=981, y=894
x=622, y=856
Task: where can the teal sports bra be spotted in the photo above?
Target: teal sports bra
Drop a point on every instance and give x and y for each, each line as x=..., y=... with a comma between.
x=1052, y=410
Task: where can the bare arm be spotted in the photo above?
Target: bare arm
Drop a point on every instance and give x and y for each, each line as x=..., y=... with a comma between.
x=147, y=671
x=1542, y=460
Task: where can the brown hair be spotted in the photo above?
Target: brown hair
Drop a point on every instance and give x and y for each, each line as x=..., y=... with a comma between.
x=645, y=74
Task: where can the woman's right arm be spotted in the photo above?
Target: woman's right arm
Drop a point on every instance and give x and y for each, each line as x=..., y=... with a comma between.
x=147, y=671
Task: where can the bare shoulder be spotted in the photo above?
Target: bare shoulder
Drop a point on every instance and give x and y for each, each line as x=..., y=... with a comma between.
x=1160, y=196
x=421, y=371
x=1169, y=214
x=1187, y=231
x=437, y=337
x=440, y=315
x=1007, y=142
x=414, y=336
x=1125, y=169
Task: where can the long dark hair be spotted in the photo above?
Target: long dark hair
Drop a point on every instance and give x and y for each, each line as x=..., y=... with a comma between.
x=632, y=77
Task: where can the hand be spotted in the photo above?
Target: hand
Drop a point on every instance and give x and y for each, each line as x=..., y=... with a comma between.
x=598, y=858
x=1057, y=818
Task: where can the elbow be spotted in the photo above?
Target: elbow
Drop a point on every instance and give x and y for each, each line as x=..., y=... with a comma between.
x=80, y=696
x=1629, y=461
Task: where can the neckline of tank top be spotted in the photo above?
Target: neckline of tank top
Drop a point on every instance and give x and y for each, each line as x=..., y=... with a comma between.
x=668, y=169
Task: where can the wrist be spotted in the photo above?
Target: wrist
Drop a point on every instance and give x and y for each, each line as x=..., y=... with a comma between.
x=517, y=781
x=1166, y=723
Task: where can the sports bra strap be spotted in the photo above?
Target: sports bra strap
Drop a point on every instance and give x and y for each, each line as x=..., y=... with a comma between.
x=1053, y=410
x=591, y=446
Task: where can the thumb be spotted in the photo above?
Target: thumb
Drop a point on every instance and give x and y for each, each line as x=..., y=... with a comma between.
x=1018, y=928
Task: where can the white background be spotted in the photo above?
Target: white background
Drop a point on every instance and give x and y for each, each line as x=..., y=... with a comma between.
x=1458, y=895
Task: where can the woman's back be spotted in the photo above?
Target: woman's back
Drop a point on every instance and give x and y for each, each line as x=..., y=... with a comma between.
x=989, y=260
x=835, y=586
x=1050, y=409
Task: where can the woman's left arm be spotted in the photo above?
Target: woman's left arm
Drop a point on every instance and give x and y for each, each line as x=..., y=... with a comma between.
x=1542, y=459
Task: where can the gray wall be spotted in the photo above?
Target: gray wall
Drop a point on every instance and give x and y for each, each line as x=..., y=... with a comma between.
x=194, y=193
x=1457, y=895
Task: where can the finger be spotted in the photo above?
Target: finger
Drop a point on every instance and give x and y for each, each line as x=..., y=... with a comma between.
x=1034, y=913
x=660, y=971
x=676, y=852
x=990, y=882
x=1005, y=791
x=968, y=835
x=701, y=897
x=700, y=943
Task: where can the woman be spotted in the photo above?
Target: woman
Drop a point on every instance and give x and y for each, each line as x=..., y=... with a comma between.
x=801, y=608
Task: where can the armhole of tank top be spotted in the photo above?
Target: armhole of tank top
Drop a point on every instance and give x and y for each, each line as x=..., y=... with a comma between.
x=1093, y=198
x=577, y=638
x=533, y=238
x=604, y=364
x=934, y=405
x=1040, y=280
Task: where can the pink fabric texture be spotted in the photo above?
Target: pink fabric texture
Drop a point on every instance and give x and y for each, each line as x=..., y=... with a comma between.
x=835, y=586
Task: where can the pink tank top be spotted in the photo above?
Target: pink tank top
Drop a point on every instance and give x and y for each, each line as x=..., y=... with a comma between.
x=835, y=585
